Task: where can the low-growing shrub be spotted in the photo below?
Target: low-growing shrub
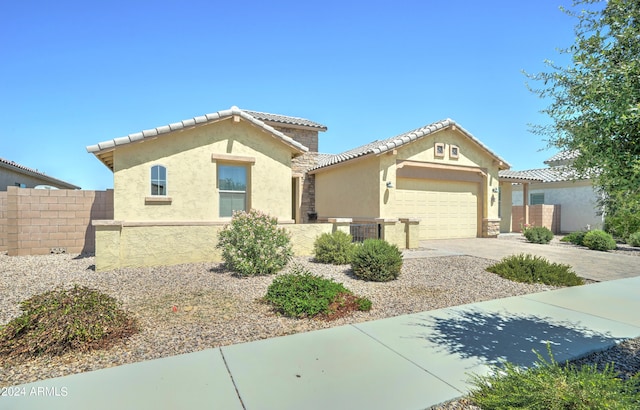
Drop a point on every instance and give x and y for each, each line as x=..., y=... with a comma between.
x=538, y=234
x=302, y=294
x=599, y=240
x=575, y=238
x=550, y=386
x=336, y=248
x=535, y=269
x=634, y=239
x=252, y=244
x=377, y=260
x=60, y=321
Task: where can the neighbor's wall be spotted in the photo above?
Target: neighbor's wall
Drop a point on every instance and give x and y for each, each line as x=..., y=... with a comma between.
x=41, y=221
x=578, y=199
x=191, y=173
x=3, y=222
x=539, y=215
x=125, y=244
x=349, y=190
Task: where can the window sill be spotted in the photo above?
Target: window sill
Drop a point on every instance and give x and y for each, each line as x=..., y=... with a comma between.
x=158, y=200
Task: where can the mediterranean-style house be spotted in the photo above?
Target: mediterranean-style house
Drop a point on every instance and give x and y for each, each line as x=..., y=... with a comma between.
x=558, y=184
x=196, y=172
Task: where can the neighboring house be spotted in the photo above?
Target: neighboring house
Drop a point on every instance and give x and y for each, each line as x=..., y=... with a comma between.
x=14, y=174
x=558, y=184
x=204, y=168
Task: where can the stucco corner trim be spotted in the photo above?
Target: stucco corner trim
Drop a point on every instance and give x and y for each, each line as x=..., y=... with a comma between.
x=234, y=158
x=160, y=200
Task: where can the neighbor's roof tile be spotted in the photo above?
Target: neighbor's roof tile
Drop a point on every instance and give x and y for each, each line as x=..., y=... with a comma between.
x=284, y=119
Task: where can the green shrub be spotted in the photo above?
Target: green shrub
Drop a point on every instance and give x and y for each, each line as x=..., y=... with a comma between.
x=59, y=321
x=575, y=238
x=634, y=239
x=538, y=234
x=302, y=294
x=549, y=386
x=535, y=269
x=599, y=240
x=254, y=245
x=377, y=260
x=336, y=248
x=623, y=223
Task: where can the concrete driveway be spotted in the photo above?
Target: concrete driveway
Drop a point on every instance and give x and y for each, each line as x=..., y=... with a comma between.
x=594, y=265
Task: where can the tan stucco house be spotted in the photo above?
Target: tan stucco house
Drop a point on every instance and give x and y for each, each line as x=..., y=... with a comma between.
x=439, y=174
x=181, y=182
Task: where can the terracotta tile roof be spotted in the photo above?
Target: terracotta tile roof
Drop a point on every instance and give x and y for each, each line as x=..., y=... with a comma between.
x=14, y=166
x=286, y=120
x=381, y=146
x=106, y=146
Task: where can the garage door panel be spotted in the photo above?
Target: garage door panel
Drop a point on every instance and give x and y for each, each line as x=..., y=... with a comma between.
x=446, y=209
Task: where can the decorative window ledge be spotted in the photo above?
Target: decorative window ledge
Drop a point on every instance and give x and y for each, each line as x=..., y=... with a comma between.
x=159, y=200
x=233, y=158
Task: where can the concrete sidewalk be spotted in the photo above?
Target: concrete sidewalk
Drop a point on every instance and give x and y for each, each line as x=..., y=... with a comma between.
x=594, y=265
x=405, y=362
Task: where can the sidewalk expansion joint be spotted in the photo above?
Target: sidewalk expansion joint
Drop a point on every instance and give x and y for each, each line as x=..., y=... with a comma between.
x=407, y=359
x=224, y=359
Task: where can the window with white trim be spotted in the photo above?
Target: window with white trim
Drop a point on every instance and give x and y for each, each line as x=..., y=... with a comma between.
x=232, y=189
x=158, y=180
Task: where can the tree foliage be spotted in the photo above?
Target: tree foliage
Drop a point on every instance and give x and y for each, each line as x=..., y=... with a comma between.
x=595, y=100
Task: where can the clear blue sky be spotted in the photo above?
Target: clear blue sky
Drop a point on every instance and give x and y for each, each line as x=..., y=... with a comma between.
x=74, y=73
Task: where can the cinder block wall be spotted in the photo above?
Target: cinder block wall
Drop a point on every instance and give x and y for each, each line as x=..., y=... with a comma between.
x=3, y=222
x=42, y=221
x=539, y=215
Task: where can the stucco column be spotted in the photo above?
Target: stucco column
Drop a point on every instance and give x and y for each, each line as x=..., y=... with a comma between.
x=412, y=232
x=341, y=224
x=392, y=232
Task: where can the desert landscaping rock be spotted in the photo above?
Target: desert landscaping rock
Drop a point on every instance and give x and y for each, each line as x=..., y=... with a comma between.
x=187, y=308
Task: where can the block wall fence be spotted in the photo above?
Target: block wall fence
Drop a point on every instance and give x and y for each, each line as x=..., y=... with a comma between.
x=539, y=215
x=43, y=221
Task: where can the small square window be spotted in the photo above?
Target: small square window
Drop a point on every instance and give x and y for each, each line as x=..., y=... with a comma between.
x=439, y=150
x=454, y=151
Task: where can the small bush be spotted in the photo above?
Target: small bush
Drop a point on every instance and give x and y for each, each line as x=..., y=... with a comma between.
x=336, y=248
x=377, y=260
x=634, y=239
x=302, y=294
x=550, y=386
x=599, y=240
x=538, y=234
x=254, y=245
x=576, y=238
x=59, y=321
x=535, y=269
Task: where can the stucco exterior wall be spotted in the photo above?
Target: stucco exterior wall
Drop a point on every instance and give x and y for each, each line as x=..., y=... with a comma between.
x=351, y=190
x=578, y=200
x=505, y=211
x=122, y=244
x=191, y=173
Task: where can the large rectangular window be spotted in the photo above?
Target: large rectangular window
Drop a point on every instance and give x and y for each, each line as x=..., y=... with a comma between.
x=232, y=188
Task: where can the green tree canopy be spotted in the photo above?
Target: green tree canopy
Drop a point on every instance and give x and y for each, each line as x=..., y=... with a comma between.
x=595, y=101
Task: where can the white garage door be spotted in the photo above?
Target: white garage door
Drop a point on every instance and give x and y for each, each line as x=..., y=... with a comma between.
x=446, y=209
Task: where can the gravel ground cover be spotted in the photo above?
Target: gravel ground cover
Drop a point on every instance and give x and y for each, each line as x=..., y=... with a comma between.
x=216, y=308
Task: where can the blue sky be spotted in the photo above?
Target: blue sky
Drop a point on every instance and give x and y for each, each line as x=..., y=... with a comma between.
x=75, y=73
